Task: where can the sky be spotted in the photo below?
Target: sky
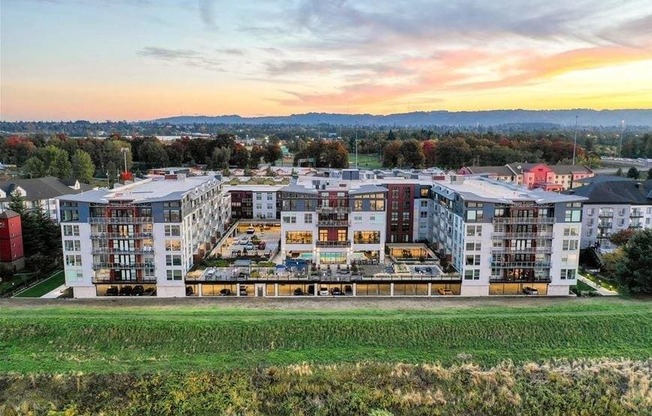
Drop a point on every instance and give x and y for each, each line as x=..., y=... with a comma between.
x=145, y=59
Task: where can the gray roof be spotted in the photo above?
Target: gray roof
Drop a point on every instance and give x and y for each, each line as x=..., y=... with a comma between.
x=367, y=189
x=616, y=192
x=299, y=189
x=37, y=189
x=498, y=170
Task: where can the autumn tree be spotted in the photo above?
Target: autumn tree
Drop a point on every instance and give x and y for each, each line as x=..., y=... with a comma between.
x=412, y=154
x=272, y=153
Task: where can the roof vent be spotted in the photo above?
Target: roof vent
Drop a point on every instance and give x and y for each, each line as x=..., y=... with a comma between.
x=638, y=184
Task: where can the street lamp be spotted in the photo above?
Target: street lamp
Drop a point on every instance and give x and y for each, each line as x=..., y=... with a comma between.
x=124, y=151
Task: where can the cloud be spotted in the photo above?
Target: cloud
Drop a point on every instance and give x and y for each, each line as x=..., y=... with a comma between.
x=207, y=13
x=231, y=51
x=186, y=57
x=293, y=67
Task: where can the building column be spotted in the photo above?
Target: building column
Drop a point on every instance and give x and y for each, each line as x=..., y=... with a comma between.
x=429, y=288
x=391, y=289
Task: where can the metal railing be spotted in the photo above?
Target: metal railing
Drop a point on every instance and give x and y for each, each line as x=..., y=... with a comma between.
x=523, y=235
x=367, y=241
x=119, y=236
x=109, y=250
x=503, y=279
x=520, y=264
x=120, y=220
x=105, y=280
x=524, y=220
x=333, y=243
x=517, y=250
x=321, y=208
x=97, y=266
x=333, y=223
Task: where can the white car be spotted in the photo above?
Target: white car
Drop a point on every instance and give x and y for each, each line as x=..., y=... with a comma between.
x=243, y=240
x=323, y=291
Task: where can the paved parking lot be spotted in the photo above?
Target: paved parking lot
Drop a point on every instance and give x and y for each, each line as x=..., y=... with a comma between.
x=252, y=239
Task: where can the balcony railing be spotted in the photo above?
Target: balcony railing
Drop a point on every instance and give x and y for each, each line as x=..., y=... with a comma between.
x=321, y=208
x=523, y=235
x=516, y=250
x=503, y=279
x=605, y=225
x=333, y=243
x=105, y=280
x=524, y=220
x=120, y=220
x=636, y=214
x=367, y=241
x=605, y=214
x=331, y=223
x=103, y=236
x=519, y=264
x=109, y=250
x=97, y=266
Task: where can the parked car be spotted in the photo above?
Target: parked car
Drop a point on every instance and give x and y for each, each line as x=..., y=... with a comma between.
x=336, y=291
x=138, y=290
x=528, y=290
x=225, y=292
x=243, y=291
x=323, y=291
x=243, y=240
x=443, y=291
x=298, y=292
x=112, y=291
x=251, y=230
x=249, y=246
x=126, y=291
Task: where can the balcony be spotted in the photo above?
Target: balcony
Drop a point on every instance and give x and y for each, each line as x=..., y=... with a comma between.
x=605, y=225
x=333, y=223
x=605, y=214
x=109, y=250
x=120, y=220
x=326, y=209
x=522, y=235
x=503, y=279
x=519, y=264
x=106, y=280
x=367, y=241
x=636, y=214
x=97, y=266
x=515, y=250
x=106, y=236
x=524, y=220
x=333, y=243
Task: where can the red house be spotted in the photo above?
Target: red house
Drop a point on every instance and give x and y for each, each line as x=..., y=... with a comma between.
x=11, y=240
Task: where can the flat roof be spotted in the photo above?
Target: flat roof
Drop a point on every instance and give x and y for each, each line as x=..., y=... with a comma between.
x=147, y=190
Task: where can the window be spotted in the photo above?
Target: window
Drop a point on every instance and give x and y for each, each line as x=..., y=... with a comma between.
x=172, y=245
x=298, y=237
x=476, y=246
x=172, y=231
x=567, y=274
x=394, y=216
x=394, y=205
x=73, y=260
x=290, y=220
x=590, y=212
x=573, y=215
x=342, y=235
x=174, y=274
x=471, y=274
x=473, y=230
x=270, y=196
x=172, y=215
x=571, y=231
x=259, y=197
x=424, y=204
x=366, y=237
x=307, y=218
x=423, y=214
x=69, y=230
x=69, y=215
x=406, y=216
x=473, y=260
x=173, y=260
x=72, y=245
x=569, y=245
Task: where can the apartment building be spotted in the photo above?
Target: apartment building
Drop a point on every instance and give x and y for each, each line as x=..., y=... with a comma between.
x=40, y=193
x=146, y=234
x=534, y=175
x=613, y=204
x=503, y=238
x=257, y=202
x=336, y=223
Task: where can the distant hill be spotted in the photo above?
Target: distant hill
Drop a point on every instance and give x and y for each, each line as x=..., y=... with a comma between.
x=443, y=118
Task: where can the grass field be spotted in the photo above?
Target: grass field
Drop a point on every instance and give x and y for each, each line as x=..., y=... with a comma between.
x=370, y=161
x=97, y=337
x=44, y=287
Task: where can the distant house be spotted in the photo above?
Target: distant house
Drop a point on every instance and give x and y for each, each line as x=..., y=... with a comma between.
x=534, y=175
x=40, y=192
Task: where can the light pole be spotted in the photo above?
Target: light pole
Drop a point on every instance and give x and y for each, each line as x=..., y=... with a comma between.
x=575, y=140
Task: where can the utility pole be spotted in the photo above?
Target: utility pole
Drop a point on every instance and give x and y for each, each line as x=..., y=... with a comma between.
x=575, y=140
x=356, y=145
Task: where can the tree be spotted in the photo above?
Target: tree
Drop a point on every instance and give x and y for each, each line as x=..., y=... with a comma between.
x=82, y=167
x=633, y=272
x=220, y=158
x=272, y=153
x=240, y=156
x=649, y=174
x=622, y=237
x=412, y=154
x=35, y=168
x=391, y=154
x=152, y=154
x=619, y=172
x=633, y=173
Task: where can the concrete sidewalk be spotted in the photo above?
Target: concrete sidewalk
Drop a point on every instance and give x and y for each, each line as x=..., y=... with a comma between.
x=55, y=293
x=601, y=291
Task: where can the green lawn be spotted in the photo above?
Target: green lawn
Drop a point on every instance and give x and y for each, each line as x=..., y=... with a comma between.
x=44, y=287
x=370, y=161
x=223, y=335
